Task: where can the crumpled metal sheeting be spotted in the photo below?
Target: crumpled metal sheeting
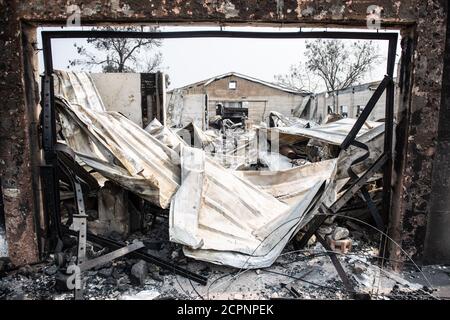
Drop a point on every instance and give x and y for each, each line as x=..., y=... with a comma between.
x=224, y=204
x=291, y=185
x=121, y=151
x=196, y=137
x=223, y=218
x=78, y=88
x=241, y=156
x=335, y=132
x=273, y=239
x=371, y=134
x=165, y=135
x=275, y=161
x=281, y=120
x=332, y=133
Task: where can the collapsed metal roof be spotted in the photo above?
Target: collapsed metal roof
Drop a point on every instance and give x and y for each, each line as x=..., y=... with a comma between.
x=241, y=219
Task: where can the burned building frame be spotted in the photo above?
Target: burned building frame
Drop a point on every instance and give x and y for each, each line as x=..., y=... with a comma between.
x=49, y=174
x=418, y=146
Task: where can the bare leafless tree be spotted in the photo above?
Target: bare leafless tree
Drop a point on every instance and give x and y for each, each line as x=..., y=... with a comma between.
x=339, y=64
x=298, y=79
x=120, y=54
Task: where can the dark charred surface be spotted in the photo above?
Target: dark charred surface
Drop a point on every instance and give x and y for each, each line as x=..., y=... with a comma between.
x=423, y=128
x=437, y=244
x=15, y=164
x=304, y=11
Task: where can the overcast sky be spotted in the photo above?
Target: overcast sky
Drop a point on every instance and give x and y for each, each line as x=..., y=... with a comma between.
x=191, y=60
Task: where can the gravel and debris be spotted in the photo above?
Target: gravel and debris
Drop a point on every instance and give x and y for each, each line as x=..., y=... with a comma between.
x=309, y=272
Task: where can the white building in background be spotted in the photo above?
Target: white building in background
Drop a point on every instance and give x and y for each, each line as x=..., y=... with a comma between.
x=348, y=102
x=197, y=102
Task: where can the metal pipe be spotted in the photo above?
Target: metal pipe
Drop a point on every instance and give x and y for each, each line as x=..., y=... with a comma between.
x=389, y=130
x=221, y=34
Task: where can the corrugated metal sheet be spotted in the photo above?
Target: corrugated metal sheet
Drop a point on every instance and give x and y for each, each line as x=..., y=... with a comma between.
x=78, y=88
x=332, y=133
x=115, y=146
x=224, y=218
x=371, y=134
x=241, y=219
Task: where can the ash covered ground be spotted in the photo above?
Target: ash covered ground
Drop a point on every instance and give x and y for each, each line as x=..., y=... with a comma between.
x=301, y=274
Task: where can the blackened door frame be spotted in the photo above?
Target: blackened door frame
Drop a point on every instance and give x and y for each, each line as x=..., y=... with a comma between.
x=49, y=174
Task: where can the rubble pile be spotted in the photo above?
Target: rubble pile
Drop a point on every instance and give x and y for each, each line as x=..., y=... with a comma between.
x=308, y=274
x=228, y=204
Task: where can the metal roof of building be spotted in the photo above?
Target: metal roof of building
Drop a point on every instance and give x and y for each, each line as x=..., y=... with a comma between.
x=208, y=81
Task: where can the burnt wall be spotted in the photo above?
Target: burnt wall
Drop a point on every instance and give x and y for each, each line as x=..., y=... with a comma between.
x=422, y=126
x=437, y=243
x=425, y=20
x=275, y=11
x=15, y=144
